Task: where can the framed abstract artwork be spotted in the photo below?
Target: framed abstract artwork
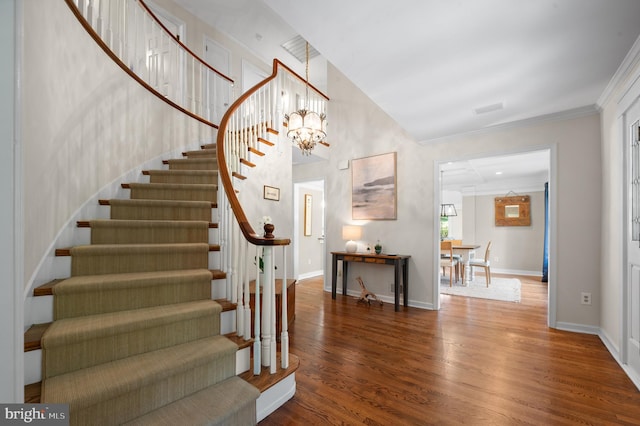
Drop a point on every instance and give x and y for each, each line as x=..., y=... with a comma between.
x=373, y=195
x=308, y=200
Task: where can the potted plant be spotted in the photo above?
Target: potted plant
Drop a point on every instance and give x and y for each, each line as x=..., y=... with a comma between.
x=378, y=247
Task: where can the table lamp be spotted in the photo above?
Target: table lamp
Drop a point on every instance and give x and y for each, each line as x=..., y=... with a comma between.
x=351, y=233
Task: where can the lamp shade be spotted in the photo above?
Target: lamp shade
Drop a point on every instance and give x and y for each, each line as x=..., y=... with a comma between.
x=351, y=233
x=447, y=210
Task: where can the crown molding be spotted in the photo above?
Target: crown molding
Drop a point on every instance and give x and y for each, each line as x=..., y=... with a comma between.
x=556, y=116
x=622, y=73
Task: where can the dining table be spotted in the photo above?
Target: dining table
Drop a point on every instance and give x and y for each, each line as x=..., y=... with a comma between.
x=467, y=252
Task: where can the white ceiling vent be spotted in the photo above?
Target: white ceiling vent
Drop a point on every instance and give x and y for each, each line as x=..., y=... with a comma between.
x=297, y=46
x=489, y=108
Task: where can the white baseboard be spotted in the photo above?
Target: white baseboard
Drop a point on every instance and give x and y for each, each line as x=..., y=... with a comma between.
x=310, y=274
x=613, y=349
x=578, y=328
x=615, y=353
x=388, y=299
x=274, y=397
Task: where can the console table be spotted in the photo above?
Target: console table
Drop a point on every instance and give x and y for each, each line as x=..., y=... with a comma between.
x=399, y=261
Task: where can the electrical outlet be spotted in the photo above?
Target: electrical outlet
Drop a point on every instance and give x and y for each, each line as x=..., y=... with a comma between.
x=585, y=298
x=496, y=259
x=339, y=272
x=392, y=288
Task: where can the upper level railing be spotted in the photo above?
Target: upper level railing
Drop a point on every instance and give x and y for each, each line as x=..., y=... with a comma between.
x=141, y=44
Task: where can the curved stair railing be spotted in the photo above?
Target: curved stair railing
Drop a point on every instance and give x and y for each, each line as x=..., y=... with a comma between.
x=133, y=36
x=249, y=121
x=130, y=33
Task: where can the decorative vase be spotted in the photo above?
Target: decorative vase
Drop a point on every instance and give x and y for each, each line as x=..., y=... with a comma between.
x=268, y=230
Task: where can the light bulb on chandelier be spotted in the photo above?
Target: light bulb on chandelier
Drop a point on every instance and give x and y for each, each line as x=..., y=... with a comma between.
x=306, y=128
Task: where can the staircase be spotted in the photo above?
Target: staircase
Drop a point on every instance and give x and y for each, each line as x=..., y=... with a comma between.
x=136, y=337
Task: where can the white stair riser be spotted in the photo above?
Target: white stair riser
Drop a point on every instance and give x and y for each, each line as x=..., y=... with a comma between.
x=228, y=322
x=243, y=360
x=274, y=397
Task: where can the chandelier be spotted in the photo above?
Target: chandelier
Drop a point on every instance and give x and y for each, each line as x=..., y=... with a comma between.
x=306, y=128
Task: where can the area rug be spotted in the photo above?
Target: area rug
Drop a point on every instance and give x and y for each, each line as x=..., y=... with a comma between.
x=505, y=289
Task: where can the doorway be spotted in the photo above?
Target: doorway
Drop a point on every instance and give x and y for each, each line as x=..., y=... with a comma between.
x=472, y=185
x=309, y=225
x=217, y=92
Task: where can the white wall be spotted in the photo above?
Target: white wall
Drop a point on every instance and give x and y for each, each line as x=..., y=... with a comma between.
x=361, y=129
x=11, y=383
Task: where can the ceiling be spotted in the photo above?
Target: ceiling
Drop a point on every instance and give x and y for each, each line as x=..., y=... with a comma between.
x=447, y=67
x=520, y=173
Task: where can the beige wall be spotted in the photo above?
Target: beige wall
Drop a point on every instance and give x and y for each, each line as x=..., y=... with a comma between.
x=85, y=123
x=514, y=249
x=362, y=129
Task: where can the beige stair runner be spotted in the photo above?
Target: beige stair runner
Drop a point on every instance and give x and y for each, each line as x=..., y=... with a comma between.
x=136, y=336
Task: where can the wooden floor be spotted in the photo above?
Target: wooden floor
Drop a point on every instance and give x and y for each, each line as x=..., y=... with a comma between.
x=475, y=362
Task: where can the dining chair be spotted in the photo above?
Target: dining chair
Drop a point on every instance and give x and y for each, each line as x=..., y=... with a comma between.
x=445, y=253
x=483, y=263
x=446, y=247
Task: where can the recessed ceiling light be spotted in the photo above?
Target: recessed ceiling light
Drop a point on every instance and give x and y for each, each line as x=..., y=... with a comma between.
x=498, y=173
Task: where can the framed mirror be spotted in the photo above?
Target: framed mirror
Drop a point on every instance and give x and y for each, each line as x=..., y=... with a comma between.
x=513, y=211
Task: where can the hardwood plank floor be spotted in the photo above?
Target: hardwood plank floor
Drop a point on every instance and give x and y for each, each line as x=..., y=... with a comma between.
x=476, y=362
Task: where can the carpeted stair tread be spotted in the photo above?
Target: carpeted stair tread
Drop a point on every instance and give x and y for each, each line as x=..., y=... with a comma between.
x=160, y=209
x=123, y=258
x=74, y=343
x=201, y=153
x=173, y=191
x=183, y=176
x=119, y=231
x=231, y=402
x=122, y=390
x=97, y=294
x=205, y=163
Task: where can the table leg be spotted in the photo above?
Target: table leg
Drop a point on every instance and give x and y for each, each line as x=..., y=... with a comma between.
x=405, y=281
x=344, y=277
x=334, y=277
x=468, y=271
x=397, y=284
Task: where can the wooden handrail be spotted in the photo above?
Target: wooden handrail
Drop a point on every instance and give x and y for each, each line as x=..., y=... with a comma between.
x=125, y=68
x=153, y=15
x=223, y=171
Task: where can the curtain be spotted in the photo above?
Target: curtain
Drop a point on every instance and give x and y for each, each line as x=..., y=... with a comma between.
x=545, y=255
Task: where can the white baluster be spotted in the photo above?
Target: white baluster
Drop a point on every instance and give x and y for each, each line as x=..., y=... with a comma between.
x=257, y=348
x=240, y=287
x=284, y=336
x=247, y=297
x=267, y=312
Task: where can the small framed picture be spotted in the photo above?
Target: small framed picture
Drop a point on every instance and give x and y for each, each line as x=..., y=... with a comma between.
x=308, y=200
x=271, y=193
